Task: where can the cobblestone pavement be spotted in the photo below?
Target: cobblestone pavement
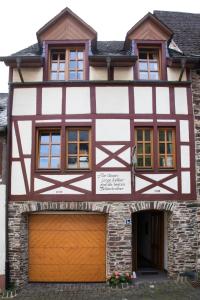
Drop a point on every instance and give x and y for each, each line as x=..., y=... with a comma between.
x=166, y=290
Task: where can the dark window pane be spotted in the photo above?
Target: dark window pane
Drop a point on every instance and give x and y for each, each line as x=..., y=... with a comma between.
x=169, y=135
x=147, y=135
x=83, y=149
x=72, y=75
x=143, y=66
x=72, y=162
x=72, y=65
x=84, y=163
x=54, y=56
x=44, y=138
x=61, y=76
x=161, y=135
x=80, y=65
x=142, y=55
x=140, y=162
x=80, y=54
x=84, y=135
x=80, y=75
x=53, y=76
x=139, y=135
x=72, y=148
x=62, y=56
x=55, y=162
x=44, y=150
x=169, y=148
x=54, y=66
x=144, y=75
x=72, y=54
x=140, y=148
x=72, y=135
x=162, y=161
x=55, y=150
x=43, y=162
x=147, y=148
x=148, y=161
x=55, y=138
x=162, y=148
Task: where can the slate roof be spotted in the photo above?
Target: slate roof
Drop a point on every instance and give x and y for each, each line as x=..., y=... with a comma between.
x=185, y=26
x=3, y=109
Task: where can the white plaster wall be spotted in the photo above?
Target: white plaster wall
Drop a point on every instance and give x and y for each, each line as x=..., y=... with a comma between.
x=162, y=100
x=27, y=162
x=29, y=74
x=85, y=184
x=100, y=155
x=98, y=73
x=185, y=156
x=143, y=100
x=51, y=101
x=181, y=105
x=174, y=73
x=184, y=131
x=123, y=73
x=24, y=102
x=185, y=182
x=17, y=186
x=15, y=151
x=78, y=100
x=112, y=100
x=25, y=131
x=112, y=130
x=2, y=228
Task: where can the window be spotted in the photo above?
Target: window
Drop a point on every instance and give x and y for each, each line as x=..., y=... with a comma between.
x=149, y=65
x=144, y=143
x=166, y=148
x=78, y=148
x=49, y=149
x=67, y=64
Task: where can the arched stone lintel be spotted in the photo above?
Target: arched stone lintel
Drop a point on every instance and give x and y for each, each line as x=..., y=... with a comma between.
x=153, y=205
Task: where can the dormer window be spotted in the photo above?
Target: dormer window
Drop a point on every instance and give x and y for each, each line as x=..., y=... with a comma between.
x=67, y=64
x=149, y=64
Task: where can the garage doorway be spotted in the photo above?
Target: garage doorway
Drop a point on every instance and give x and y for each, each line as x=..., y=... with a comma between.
x=148, y=240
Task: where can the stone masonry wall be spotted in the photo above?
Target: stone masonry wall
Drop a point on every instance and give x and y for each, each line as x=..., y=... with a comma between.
x=182, y=237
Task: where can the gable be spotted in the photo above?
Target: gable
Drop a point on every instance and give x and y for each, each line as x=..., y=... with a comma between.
x=149, y=28
x=66, y=26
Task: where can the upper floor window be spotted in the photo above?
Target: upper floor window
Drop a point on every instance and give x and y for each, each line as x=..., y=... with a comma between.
x=166, y=148
x=149, y=64
x=67, y=64
x=144, y=143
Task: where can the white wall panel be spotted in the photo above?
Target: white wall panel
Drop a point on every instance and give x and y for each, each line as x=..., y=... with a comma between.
x=25, y=131
x=181, y=105
x=174, y=73
x=2, y=228
x=24, y=102
x=17, y=179
x=78, y=100
x=156, y=177
x=162, y=100
x=113, y=148
x=141, y=183
x=62, y=178
x=98, y=73
x=184, y=131
x=100, y=155
x=113, y=182
x=112, y=100
x=185, y=182
x=27, y=162
x=29, y=74
x=15, y=151
x=113, y=163
x=61, y=190
x=85, y=184
x=185, y=156
x=172, y=183
x=126, y=155
x=41, y=184
x=51, y=101
x=143, y=100
x=157, y=190
x=123, y=73
x=112, y=130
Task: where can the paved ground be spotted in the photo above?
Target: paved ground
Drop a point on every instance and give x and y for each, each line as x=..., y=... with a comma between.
x=166, y=290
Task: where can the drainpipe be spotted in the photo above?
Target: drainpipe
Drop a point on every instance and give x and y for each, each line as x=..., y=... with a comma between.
x=108, y=61
x=183, y=63
x=18, y=61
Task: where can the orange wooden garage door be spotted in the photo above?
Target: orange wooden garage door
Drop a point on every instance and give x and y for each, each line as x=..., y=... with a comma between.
x=67, y=248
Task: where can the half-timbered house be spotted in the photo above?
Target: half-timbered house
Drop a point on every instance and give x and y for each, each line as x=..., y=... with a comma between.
x=102, y=151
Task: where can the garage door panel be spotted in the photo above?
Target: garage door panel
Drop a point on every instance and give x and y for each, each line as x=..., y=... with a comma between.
x=56, y=256
x=72, y=223
x=67, y=238
x=67, y=255
x=68, y=273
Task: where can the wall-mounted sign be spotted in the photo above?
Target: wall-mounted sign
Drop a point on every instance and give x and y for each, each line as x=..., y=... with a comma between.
x=113, y=182
x=128, y=222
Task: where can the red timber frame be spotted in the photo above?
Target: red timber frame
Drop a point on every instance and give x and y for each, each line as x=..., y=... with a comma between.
x=91, y=195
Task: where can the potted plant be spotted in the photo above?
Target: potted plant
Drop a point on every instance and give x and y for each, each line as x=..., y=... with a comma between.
x=120, y=280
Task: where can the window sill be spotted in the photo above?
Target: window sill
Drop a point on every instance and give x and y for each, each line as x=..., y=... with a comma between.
x=59, y=171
